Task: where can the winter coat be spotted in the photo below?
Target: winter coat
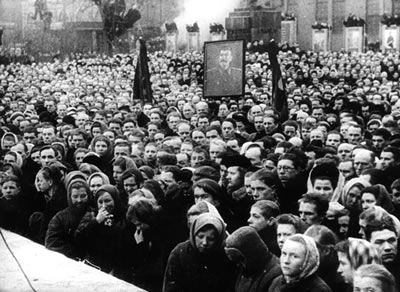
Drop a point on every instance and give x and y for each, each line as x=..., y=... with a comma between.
x=260, y=266
x=309, y=284
x=39, y=220
x=240, y=203
x=14, y=215
x=290, y=193
x=189, y=270
x=102, y=243
x=60, y=235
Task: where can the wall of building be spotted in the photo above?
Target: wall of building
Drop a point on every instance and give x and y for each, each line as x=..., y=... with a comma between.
x=15, y=16
x=334, y=12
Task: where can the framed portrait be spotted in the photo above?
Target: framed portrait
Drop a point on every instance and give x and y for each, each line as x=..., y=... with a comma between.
x=390, y=37
x=320, y=39
x=354, y=40
x=224, y=68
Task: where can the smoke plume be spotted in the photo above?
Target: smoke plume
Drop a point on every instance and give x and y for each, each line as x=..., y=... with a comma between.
x=203, y=12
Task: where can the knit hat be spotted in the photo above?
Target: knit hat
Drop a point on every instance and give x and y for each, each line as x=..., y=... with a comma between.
x=246, y=247
x=206, y=171
x=236, y=160
x=69, y=119
x=16, y=115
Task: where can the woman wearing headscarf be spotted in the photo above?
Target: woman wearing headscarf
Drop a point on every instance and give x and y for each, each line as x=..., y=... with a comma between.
x=299, y=263
x=103, y=147
x=200, y=263
x=350, y=198
x=100, y=232
x=326, y=239
x=96, y=180
x=352, y=254
x=258, y=267
x=200, y=208
x=376, y=195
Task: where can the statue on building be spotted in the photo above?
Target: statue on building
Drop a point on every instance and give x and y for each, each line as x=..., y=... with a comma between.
x=40, y=9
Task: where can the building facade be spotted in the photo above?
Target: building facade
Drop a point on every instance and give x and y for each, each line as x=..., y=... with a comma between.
x=77, y=24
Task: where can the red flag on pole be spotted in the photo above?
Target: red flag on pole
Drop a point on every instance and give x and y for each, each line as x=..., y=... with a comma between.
x=142, y=86
x=279, y=97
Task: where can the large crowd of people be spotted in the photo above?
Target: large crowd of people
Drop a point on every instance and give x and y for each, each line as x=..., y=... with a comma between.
x=188, y=193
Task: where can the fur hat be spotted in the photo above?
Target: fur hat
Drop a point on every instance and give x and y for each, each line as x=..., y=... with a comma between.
x=236, y=160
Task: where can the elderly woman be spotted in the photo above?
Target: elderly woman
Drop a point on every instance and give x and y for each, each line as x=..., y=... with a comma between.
x=200, y=263
x=100, y=232
x=350, y=198
x=299, y=264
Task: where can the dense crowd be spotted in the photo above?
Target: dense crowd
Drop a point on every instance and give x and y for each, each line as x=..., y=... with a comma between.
x=187, y=193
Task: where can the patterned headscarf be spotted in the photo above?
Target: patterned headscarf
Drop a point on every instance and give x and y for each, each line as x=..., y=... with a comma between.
x=361, y=252
x=349, y=185
x=311, y=260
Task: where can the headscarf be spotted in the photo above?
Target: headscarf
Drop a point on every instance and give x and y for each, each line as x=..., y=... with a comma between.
x=376, y=213
x=72, y=176
x=109, y=152
x=311, y=260
x=361, y=252
x=85, y=185
x=98, y=124
x=103, y=176
x=208, y=219
x=113, y=191
x=349, y=185
x=4, y=138
x=204, y=207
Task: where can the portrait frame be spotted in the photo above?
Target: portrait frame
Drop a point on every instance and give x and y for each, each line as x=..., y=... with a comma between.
x=216, y=87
